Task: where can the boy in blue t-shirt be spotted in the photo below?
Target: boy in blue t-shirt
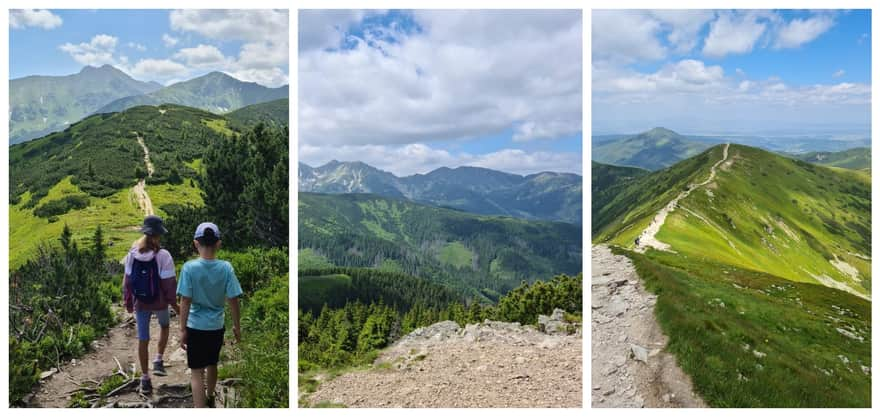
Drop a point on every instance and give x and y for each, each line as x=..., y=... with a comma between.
x=205, y=285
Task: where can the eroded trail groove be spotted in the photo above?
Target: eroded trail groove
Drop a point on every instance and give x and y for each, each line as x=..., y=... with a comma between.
x=648, y=238
x=140, y=189
x=630, y=366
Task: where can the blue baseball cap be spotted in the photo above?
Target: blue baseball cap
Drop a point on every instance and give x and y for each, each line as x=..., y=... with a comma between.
x=200, y=231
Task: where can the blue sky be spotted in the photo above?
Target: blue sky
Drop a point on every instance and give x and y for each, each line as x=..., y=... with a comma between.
x=732, y=71
x=411, y=91
x=152, y=45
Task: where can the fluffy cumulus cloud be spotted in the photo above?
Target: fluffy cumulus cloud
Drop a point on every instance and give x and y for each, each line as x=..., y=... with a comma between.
x=419, y=158
x=733, y=33
x=43, y=19
x=263, y=55
x=685, y=84
x=98, y=51
x=453, y=75
x=800, y=31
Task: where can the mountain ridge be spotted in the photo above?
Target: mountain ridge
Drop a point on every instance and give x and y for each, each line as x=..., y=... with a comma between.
x=540, y=196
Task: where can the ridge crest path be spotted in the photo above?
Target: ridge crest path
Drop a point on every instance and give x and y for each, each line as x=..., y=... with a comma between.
x=648, y=238
x=631, y=367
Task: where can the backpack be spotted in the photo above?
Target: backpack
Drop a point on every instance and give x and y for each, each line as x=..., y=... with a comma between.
x=144, y=280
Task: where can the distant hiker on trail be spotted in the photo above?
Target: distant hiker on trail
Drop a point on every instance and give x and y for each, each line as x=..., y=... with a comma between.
x=637, y=242
x=205, y=285
x=148, y=288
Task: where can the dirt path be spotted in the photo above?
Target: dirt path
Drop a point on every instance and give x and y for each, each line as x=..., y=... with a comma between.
x=648, y=238
x=140, y=189
x=630, y=367
x=487, y=365
x=120, y=344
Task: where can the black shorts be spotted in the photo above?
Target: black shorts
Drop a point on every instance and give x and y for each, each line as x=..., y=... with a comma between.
x=203, y=347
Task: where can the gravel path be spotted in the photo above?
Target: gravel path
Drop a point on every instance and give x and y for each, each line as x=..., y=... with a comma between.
x=140, y=189
x=648, y=238
x=487, y=365
x=630, y=367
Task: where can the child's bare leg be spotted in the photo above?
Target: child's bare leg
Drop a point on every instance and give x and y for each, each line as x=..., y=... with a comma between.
x=212, y=379
x=198, y=387
x=143, y=353
x=163, y=340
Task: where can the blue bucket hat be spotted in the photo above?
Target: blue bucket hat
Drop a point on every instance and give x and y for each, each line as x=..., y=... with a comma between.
x=153, y=226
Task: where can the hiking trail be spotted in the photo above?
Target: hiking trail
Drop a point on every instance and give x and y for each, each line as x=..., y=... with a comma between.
x=630, y=365
x=116, y=354
x=490, y=364
x=140, y=189
x=648, y=238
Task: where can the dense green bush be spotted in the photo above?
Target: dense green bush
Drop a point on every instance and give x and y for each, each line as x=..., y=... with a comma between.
x=59, y=302
x=62, y=205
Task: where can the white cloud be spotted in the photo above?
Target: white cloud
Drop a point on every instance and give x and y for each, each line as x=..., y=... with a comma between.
x=169, y=41
x=839, y=73
x=418, y=158
x=800, y=31
x=319, y=29
x=137, y=46
x=158, y=69
x=263, y=57
x=626, y=35
x=733, y=33
x=44, y=19
x=201, y=56
x=227, y=25
x=466, y=74
x=98, y=51
x=684, y=26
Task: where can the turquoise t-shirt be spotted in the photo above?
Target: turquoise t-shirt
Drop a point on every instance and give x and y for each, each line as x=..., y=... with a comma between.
x=208, y=282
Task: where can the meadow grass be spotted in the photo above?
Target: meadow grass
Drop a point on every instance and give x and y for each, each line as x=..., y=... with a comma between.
x=751, y=339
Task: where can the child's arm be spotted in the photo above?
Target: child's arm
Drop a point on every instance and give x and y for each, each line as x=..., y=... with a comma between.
x=236, y=325
x=184, y=316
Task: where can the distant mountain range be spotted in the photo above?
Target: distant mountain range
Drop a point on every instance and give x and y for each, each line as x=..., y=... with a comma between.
x=542, y=196
x=652, y=150
x=215, y=92
x=39, y=105
x=855, y=158
x=659, y=148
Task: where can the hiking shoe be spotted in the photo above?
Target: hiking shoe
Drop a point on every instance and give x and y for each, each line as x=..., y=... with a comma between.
x=146, y=386
x=210, y=402
x=159, y=368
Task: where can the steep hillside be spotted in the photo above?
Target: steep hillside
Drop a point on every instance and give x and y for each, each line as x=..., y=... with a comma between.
x=752, y=209
x=542, y=196
x=481, y=256
x=39, y=105
x=276, y=112
x=215, y=92
x=855, y=158
x=652, y=150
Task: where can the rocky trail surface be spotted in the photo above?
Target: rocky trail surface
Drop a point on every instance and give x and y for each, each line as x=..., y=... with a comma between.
x=140, y=189
x=492, y=364
x=116, y=354
x=648, y=238
x=630, y=366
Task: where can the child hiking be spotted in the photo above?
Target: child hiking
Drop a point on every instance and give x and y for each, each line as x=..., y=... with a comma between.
x=148, y=288
x=205, y=285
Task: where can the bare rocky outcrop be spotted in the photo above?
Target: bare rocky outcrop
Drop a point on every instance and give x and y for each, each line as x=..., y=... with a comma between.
x=630, y=366
x=491, y=364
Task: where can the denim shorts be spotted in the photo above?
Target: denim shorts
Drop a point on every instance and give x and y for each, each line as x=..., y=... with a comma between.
x=143, y=321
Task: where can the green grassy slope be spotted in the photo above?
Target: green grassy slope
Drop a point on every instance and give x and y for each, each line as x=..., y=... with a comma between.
x=215, y=92
x=479, y=255
x=652, y=150
x=275, y=112
x=763, y=212
x=42, y=104
x=749, y=339
x=101, y=153
x=855, y=158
